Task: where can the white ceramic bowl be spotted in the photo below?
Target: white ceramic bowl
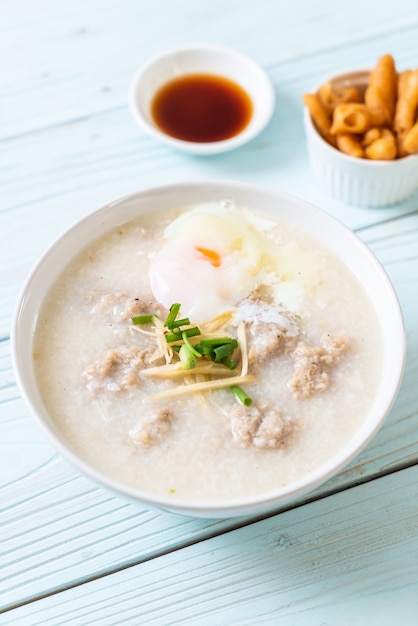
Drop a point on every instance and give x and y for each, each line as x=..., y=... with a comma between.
x=359, y=182
x=343, y=242
x=202, y=59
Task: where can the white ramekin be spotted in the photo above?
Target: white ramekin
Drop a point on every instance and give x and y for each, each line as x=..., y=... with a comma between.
x=206, y=59
x=354, y=181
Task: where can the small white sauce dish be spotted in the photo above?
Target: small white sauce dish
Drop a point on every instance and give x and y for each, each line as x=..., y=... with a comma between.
x=202, y=59
x=355, y=181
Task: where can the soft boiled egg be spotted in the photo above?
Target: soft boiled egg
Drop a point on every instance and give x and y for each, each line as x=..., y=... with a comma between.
x=210, y=259
x=215, y=255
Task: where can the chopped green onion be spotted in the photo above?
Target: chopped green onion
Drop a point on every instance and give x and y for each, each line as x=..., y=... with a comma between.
x=188, y=354
x=170, y=337
x=187, y=358
x=204, y=351
x=222, y=351
x=219, y=341
x=192, y=332
x=241, y=395
x=183, y=322
x=218, y=349
x=229, y=363
x=189, y=345
x=176, y=334
x=174, y=309
x=142, y=319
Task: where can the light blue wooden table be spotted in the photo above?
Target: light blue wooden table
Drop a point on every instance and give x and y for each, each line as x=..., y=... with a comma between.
x=71, y=553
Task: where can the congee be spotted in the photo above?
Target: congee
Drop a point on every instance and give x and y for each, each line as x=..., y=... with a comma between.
x=207, y=353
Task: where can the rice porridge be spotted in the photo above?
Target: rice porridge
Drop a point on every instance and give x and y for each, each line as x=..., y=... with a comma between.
x=207, y=352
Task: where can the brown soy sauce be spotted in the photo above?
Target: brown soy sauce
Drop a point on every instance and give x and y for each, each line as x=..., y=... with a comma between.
x=201, y=108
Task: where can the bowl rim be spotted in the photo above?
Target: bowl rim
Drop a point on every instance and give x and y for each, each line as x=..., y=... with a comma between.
x=211, y=508
x=204, y=148
x=366, y=163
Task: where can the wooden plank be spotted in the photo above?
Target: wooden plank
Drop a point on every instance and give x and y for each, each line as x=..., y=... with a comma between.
x=350, y=559
x=77, y=538
x=68, y=146
x=72, y=59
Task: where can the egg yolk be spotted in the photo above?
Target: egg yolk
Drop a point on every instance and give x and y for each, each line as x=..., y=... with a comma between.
x=210, y=259
x=212, y=256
